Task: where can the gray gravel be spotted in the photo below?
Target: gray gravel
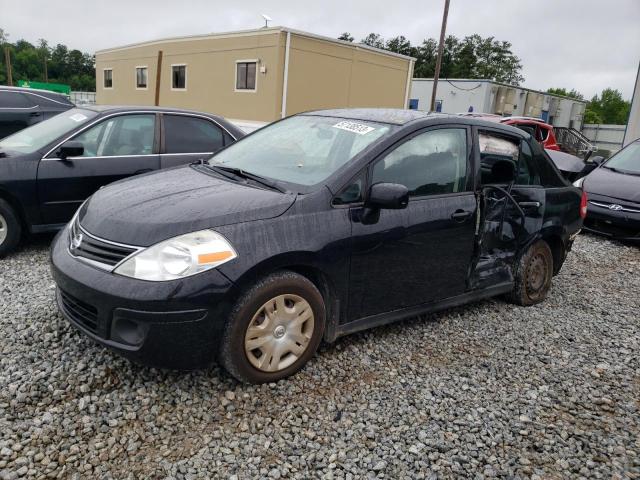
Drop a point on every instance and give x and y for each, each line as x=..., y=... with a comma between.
x=487, y=390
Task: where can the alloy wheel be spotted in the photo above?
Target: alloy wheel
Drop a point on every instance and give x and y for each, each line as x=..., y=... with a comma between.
x=279, y=333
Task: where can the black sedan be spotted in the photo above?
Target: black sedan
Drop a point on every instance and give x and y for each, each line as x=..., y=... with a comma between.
x=314, y=227
x=614, y=196
x=49, y=169
x=22, y=107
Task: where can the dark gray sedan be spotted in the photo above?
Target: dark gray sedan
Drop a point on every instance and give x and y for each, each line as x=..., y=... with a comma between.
x=48, y=170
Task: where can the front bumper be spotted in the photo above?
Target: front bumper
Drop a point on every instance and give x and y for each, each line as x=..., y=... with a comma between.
x=175, y=324
x=619, y=225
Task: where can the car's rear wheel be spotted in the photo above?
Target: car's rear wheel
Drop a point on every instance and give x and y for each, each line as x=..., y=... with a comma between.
x=10, y=228
x=274, y=329
x=533, y=275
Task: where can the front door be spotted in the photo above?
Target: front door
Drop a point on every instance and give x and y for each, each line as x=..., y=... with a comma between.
x=420, y=254
x=114, y=148
x=512, y=205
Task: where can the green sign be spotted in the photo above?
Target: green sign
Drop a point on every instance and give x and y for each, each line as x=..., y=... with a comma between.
x=53, y=87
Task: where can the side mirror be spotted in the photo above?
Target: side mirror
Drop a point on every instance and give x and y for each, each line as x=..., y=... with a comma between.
x=70, y=149
x=388, y=195
x=598, y=160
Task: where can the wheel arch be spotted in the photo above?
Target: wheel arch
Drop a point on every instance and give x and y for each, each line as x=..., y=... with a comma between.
x=17, y=207
x=554, y=238
x=309, y=266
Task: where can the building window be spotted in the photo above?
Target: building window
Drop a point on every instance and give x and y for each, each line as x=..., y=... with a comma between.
x=141, y=78
x=108, y=78
x=246, y=75
x=179, y=77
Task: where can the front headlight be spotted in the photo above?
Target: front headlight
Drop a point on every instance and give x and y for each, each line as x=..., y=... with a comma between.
x=179, y=257
x=578, y=183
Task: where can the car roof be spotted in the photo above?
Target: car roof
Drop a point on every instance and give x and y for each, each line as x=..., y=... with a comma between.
x=36, y=91
x=398, y=116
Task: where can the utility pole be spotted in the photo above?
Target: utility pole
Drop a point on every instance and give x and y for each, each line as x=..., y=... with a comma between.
x=7, y=59
x=436, y=75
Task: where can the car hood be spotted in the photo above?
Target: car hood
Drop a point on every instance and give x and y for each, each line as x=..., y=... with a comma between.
x=613, y=184
x=150, y=208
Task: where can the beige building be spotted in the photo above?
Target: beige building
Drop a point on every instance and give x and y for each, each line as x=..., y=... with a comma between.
x=262, y=74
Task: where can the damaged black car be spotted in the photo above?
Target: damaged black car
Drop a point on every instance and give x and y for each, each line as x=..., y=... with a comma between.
x=314, y=227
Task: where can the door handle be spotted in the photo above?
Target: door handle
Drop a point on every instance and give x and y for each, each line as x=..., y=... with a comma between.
x=529, y=204
x=144, y=170
x=35, y=114
x=460, y=215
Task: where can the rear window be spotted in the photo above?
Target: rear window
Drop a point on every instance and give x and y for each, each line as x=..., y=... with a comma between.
x=14, y=100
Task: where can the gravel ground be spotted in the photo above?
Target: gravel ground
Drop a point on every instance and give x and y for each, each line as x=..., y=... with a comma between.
x=486, y=390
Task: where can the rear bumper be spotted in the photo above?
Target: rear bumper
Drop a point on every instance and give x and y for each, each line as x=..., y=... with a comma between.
x=619, y=225
x=174, y=324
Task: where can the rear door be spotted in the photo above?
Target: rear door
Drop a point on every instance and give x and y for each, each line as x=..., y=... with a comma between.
x=114, y=148
x=187, y=138
x=17, y=111
x=511, y=213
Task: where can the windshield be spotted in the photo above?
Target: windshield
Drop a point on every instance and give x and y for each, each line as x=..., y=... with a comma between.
x=303, y=149
x=626, y=160
x=41, y=134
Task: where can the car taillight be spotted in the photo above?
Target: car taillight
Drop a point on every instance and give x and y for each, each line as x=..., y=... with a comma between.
x=583, y=205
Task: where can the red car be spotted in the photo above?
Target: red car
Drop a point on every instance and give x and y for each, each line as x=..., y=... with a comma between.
x=541, y=131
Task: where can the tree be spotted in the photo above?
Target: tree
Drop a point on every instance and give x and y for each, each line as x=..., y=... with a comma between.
x=373, y=40
x=72, y=67
x=400, y=45
x=566, y=93
x=346, y=36
x=608, y=108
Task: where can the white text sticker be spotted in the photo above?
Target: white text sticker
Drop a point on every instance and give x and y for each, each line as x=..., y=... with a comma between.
x=354, y=127
x=78, y=117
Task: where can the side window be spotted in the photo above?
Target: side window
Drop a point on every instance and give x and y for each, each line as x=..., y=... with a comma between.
x=527, y=172
x=351, y=193
x=498, y=158
x=119, y=136
x=184, y=134
x=549, y=175
x=433, y=162
x=14, y=100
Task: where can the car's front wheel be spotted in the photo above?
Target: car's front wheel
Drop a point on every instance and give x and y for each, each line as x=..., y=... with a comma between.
x=274, y=329
x=10, y=228
x=532, y=275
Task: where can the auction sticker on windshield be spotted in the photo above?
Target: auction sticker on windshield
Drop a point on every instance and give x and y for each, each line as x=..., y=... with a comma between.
x=354, y=127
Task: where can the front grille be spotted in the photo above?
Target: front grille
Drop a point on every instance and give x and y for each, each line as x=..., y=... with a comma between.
x=616, y=207
x=104, y=253
x=80, y=312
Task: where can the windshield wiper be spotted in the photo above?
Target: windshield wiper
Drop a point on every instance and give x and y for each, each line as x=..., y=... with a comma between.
x=624, y=172
x=247, y=175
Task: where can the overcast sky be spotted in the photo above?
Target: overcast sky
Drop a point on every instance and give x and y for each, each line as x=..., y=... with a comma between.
x=583, y=44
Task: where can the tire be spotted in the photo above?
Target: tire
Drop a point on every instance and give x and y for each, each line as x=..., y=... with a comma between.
x=286, y=313
x=10, y=228
x=532, y=275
